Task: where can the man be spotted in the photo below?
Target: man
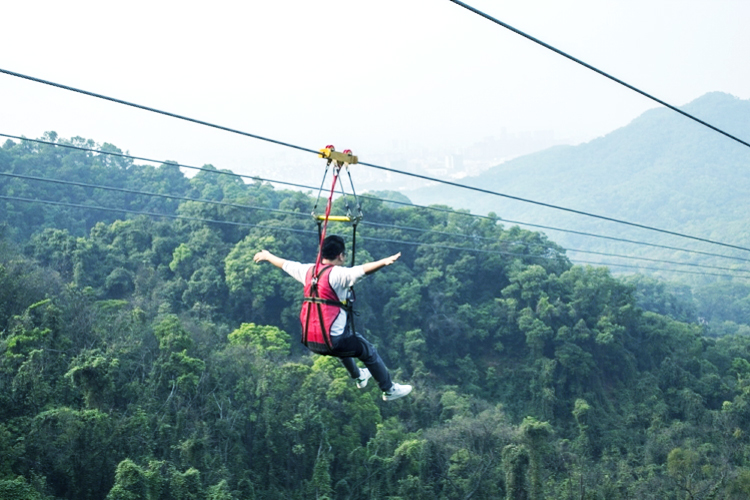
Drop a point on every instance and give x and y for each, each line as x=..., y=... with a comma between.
x=346, y=344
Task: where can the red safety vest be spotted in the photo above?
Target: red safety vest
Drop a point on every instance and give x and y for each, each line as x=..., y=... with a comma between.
x=320, y=308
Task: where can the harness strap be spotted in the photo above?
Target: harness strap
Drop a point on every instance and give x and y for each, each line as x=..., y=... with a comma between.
x=306, y=329
x=359, y=215
x=336, y=170
x=317, y=300
x=326, y=335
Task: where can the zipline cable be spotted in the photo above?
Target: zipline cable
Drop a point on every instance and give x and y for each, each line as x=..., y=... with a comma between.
x=150, y=214
x=149, y=193
x=154, y=110
x=662, y=261
x=381, y=240
x=409, y=174
x=558, y=207
x=609, y=264
x=409, y=204
x=223, y=203
x=592, y=68
x=552, y=228
x=375, y=224
x=164, y=162
x=260, y=226
x=623, y=240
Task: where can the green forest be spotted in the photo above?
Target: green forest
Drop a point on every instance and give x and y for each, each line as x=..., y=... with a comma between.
x=149, y=358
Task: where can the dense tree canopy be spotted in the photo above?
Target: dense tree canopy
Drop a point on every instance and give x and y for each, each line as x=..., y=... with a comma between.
x=147, y=358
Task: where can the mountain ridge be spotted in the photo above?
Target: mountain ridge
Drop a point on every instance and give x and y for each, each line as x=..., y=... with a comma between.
x=661, y=169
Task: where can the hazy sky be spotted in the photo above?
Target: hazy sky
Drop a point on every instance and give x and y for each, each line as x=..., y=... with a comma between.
x=358, y=74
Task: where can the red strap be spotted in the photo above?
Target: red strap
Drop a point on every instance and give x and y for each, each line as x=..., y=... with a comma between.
x=336, y=170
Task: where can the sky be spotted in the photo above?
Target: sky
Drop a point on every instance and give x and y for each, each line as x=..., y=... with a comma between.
x=372, y=76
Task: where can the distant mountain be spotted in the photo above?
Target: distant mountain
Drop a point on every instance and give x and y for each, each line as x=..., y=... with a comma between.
x=661, y=170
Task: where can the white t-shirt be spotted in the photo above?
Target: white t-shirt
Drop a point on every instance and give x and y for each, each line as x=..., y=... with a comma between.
x=340, y=279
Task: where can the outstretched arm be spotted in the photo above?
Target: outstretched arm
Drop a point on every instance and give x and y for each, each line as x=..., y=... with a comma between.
x=268, y=256
x=371, y=267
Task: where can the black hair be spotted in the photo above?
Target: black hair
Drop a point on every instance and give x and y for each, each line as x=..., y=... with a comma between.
x=333, y=246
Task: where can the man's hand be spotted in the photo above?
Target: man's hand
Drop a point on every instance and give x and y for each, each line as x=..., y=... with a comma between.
x=268, y=256
x=390, y=260
x=371, y=267
x=261, y=256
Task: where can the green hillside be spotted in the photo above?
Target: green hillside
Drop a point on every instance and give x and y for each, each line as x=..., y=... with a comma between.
x=149, y=358
x=662, y=170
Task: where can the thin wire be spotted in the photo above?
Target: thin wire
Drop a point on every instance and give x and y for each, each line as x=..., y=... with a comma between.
x=150, y=214
x=222, y=203
x=557, y=207
x=609, y=264
x=552, y=228
x=404, y=242
x=148, y=193
x=154, y=110
x=592, y=68
x=431, y=208
x=625, y=240
x=558, y=255
x=662, y=261
x=409, y=174
x=244, y=224
x=300, y=214
x=167, y=162
x=376, y=239
x=485, y=238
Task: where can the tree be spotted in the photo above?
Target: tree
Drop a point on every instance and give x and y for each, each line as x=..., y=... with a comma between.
x=535, y=434
x=130, y=483
x=18, y=489
x=266, y=340
x=515, y=464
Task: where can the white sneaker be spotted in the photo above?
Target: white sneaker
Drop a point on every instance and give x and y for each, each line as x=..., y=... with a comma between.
x=364, y=376
x=397, y=391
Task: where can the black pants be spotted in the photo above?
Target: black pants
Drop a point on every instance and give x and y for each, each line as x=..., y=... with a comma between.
x=353, y=345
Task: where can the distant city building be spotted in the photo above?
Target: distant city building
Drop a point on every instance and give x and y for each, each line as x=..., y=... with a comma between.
x=454, y=162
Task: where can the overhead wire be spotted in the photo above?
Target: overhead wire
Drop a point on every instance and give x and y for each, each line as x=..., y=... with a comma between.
x=145, y=193
x=261, y=226
x=294, y=213
x=167, y=162
x=596, y=70
x=378, y=239
x=410, y=174
x=564, y=209
x=154, y=110
x=650, y=268
x=552, y=228
x=365, y=196
x=623, y=240
x=662, y=261
x=150, y=214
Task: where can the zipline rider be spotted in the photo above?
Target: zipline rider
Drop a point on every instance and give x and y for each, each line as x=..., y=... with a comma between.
x=333, y=335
